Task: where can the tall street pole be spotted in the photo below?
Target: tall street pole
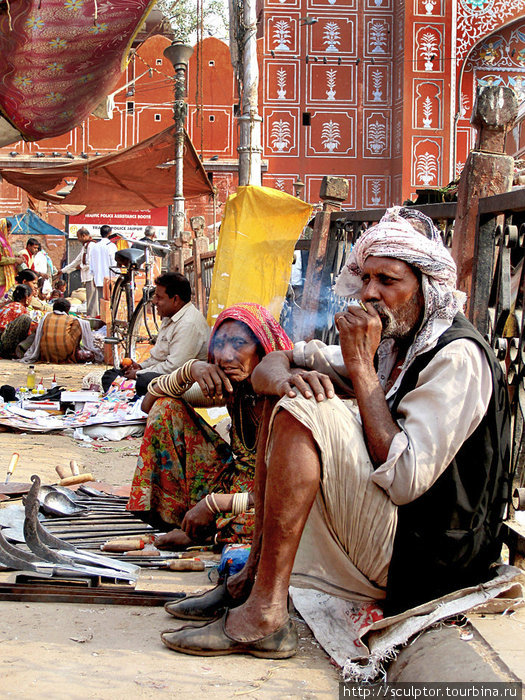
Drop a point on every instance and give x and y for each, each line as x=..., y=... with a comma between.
x=178, y=54
x=244, y=58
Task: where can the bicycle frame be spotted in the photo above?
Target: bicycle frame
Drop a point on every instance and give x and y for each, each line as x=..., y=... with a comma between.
x=126, y=334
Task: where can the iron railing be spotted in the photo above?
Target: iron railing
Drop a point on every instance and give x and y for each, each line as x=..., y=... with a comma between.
x=497, y=299
x=199, y=270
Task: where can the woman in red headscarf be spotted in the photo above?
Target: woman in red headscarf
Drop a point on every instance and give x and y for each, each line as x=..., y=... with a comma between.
x=8, y=262
x=187, y=476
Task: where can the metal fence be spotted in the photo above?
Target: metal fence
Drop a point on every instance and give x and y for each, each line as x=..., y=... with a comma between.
x=497, y=298
x=199, y=270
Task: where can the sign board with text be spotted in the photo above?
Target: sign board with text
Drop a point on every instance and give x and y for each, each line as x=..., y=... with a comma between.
x=130, y=224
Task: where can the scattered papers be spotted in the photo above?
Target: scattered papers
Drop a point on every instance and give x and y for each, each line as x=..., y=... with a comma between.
x=99, y=412
x=34, y=420
x=79, y=396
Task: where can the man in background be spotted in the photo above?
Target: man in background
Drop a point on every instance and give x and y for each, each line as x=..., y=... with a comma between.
x=28, y=254
x=43, y=266
x=83, y=263
x=183, y=334
x=59, y=336
x=101, y=259
x=149, y=237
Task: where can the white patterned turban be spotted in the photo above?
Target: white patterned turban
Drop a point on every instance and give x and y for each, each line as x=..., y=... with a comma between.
x=395, y=237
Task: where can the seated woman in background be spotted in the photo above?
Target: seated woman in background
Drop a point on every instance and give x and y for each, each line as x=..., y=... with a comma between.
x=187, y=476
x=38, y=306
x=15, y=322
x=28, y=277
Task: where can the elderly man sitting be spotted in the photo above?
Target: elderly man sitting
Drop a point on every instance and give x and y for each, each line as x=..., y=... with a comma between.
x=396, y=495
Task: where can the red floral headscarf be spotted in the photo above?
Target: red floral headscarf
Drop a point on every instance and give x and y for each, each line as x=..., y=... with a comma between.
x=260, y=321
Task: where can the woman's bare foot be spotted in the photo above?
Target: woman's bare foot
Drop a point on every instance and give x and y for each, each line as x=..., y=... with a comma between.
x=174, y=540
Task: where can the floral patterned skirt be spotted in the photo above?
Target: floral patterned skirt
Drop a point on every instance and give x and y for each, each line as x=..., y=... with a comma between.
x=181, y=460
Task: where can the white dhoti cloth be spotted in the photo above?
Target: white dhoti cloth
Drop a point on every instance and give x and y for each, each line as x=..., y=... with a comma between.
x=347, y=543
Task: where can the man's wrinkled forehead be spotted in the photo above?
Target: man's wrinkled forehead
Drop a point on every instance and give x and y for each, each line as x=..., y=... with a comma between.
x=388, y=265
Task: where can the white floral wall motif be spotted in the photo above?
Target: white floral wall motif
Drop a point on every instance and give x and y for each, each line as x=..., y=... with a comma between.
x=377, y=84
x=427, y=112
x=375, y=187
x=281, y=135
x=331, y=76
x=376, y=137
x=331, y=37
x=378, y=37
x=282, y=35
x=281, y=84
x=330, y=135
x=428, y=49
x=426, y=167
x=279, y=184
x=459, y=168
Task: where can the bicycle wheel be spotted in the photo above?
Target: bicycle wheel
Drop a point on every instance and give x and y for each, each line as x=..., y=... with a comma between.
x=143, y=331
x=121, y=306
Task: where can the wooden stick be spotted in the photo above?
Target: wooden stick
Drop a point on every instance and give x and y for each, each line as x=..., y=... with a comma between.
x=79, y=479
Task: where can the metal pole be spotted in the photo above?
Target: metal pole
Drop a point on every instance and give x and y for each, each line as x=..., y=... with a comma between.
x=178, y=54
x=249, y=148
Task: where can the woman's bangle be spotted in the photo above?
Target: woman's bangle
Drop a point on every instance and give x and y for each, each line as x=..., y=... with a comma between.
x=208, y=505
x=214, y=502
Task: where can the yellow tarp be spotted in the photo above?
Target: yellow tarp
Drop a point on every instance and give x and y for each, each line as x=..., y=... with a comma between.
x=255, y=253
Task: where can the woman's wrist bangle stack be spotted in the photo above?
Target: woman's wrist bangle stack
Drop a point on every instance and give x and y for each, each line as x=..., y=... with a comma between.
x=240, y=503
x=174, y=384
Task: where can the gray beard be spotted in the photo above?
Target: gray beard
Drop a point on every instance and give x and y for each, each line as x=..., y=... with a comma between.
x=402, y=325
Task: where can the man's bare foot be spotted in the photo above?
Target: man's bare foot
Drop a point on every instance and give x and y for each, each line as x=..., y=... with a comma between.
x=253, y=621
x=175, y=539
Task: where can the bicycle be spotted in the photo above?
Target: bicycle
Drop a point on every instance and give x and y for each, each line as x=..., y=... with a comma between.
x=130, y=325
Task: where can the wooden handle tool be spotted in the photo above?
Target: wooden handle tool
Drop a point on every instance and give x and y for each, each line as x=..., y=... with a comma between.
x=186, y=565
x=79, y=479
x=123, y=545
x=146, y=552
x=12, y=464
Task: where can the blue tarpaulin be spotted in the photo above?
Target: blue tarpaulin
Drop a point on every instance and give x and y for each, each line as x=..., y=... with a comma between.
x=29, y=224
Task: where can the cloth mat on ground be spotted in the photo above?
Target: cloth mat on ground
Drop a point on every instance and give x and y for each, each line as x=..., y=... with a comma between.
x=361, y=641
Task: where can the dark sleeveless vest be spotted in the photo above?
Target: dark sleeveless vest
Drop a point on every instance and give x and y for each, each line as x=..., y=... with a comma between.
x=448, y=537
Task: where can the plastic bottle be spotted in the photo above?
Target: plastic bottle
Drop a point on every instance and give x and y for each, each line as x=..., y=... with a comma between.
x=31, y=377
x=40, y=389
x=54, y=382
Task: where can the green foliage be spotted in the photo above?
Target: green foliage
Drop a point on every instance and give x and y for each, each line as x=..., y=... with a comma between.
x=183, y=17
